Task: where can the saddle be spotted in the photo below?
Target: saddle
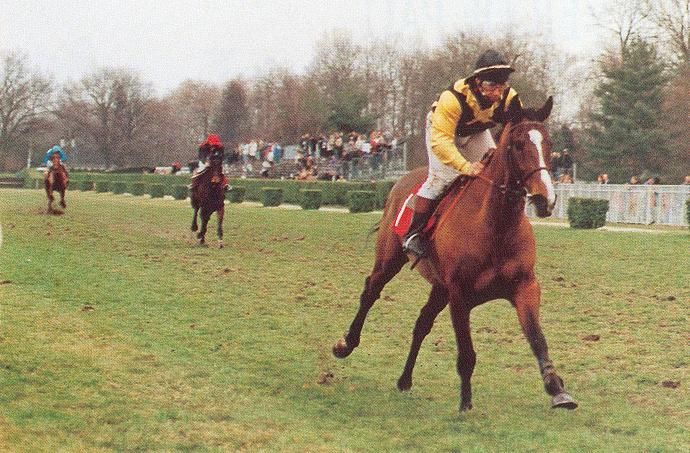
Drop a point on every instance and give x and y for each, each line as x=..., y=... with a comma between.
x=216, y=179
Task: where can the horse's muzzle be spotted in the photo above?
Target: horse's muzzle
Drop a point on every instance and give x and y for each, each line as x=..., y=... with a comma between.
x=542, y=205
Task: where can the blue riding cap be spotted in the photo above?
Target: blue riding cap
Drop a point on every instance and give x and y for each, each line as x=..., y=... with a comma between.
x=53, y=150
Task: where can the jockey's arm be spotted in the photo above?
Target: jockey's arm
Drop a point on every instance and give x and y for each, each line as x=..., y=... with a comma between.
x=444, y=121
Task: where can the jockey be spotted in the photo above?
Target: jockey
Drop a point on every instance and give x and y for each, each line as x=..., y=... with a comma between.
x=48, y=158
x=457, y=135
x=212, y=141
x=205, y=149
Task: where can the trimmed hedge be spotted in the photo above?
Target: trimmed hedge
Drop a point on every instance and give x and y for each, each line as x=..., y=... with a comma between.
x=362, y=200
x=587, y=212
x=86, y=184
x=271, y=196
x=102, y=186
x=156, y=190
x=118, y=187
x=180, y=192
x=39, y=184
x=137, y=188
x=310, y=198
x=235, y=194
x=332, y=192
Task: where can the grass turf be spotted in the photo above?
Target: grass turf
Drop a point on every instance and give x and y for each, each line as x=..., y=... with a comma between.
x=117, y=334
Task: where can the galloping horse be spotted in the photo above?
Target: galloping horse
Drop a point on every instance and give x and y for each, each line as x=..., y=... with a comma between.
x=483, y=248
x=56, y=180
x=208, y=195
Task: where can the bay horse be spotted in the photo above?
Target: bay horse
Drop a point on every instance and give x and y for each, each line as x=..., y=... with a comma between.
x=482, y=248
x=56, y=180
x=208, y=195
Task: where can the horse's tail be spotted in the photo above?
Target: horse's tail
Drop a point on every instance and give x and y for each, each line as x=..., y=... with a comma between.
x=371, y=231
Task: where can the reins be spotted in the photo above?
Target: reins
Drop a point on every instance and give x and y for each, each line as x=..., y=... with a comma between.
x=506, y=187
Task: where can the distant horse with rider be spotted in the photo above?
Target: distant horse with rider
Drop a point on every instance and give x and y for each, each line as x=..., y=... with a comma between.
x=56, y=178
x=482, y=248
x=208, y=188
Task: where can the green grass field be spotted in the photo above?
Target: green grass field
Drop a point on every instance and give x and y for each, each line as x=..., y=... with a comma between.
x=117, y=334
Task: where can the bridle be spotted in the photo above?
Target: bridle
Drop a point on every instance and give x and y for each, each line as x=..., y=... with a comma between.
x=216, y=170
x=513, y=189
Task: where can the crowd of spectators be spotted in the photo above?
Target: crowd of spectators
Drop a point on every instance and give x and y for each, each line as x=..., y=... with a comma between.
x=332, y=156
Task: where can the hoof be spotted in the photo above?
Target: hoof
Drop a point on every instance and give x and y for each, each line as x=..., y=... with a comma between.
x=464, y=407
x=404, y=383
x=220, y=245
x=341, y=349
x=564, y=401
x=202, y=244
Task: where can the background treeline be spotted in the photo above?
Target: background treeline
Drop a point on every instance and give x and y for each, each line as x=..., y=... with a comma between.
x=624, y=113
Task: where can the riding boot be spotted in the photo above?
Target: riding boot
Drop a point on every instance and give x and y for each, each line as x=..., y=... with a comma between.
x=413, y=241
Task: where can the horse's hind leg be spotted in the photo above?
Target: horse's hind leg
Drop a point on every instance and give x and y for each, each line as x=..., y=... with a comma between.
x=62, y=200
x=526, y=300
x=438, y=299
x=391, y=260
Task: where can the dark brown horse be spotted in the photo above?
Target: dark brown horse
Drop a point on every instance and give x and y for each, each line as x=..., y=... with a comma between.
x=482, y=249
x=208, y=195
x=56, y=180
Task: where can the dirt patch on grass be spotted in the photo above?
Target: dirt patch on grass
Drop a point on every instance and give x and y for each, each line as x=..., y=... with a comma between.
x=671, y=384
x=326, y=377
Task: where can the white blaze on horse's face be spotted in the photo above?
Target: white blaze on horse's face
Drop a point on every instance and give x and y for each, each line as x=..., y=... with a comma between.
x=536, y=138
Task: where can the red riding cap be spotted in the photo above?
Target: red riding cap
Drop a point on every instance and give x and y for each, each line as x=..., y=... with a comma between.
x=213, y=140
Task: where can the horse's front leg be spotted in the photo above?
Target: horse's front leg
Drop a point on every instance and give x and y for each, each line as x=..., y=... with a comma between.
x=49, y=194
x=195, y=225
x=467, y=358
x=201, y=235
x=391, y=260
x=526, y=300
x=438, y=299
x=220, y=213
x=62, y=200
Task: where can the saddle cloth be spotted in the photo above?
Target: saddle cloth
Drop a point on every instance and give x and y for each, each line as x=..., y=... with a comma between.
x=404, y=217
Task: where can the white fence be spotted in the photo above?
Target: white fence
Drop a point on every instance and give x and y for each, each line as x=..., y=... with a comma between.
x=662, y=205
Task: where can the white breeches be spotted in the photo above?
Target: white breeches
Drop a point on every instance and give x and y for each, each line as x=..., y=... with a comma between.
x=440, y=175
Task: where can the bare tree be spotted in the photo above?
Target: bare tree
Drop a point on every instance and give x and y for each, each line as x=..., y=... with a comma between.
x=625, y=20
x=25, y=98
x=672, y=18
x=195, y=103
x=109, y=109
x=231, y=118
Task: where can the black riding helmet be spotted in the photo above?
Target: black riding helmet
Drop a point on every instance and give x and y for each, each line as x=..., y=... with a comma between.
x=493, y=67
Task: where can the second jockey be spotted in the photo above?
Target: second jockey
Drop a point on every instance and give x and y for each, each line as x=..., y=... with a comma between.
x=206, y=149
x=458, y=136
x=51, y=155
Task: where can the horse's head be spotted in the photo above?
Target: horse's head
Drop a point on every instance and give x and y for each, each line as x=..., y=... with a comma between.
x=55, y=159
x=216, y=155
x=530, y=156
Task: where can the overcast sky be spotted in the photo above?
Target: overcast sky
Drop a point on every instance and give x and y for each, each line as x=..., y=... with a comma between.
x=169, y=41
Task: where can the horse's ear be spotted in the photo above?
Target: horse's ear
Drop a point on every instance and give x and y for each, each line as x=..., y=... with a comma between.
x=545, y=111
x=541, y=114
